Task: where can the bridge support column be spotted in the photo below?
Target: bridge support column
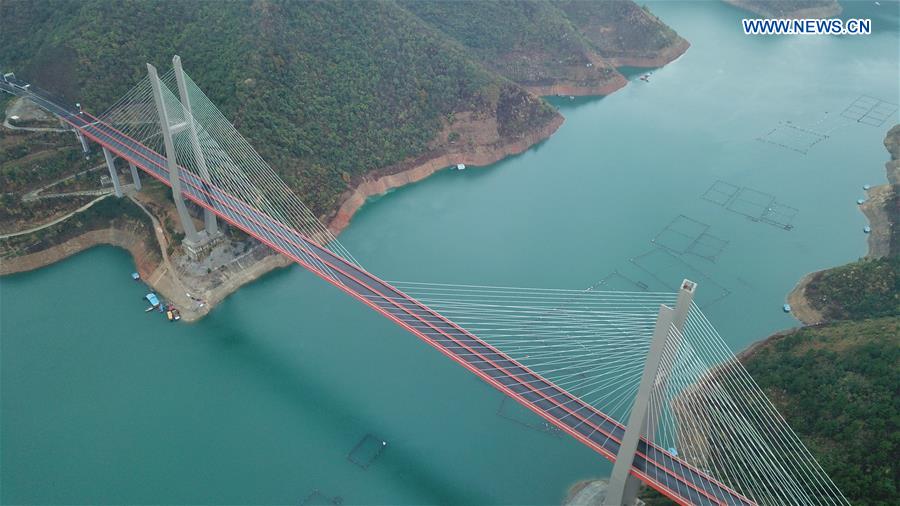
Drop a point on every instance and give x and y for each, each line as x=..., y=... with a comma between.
x=113, y=175
x=83, y=141
x=623, y=487
x=78, y=134
x=209, y=216
x=135, y=177
x=190, y=231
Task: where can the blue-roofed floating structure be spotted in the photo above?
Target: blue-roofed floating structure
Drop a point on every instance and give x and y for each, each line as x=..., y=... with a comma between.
x=152, y=299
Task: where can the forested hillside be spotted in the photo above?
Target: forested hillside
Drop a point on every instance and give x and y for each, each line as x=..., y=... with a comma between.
x=530, y=42
x=790, y=8
x=624, y=33
x=837, y=386
x=862, y=289
x=837, y=383
x=326, y=91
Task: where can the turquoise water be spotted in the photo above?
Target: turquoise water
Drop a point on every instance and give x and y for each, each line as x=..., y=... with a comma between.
x=262, y=401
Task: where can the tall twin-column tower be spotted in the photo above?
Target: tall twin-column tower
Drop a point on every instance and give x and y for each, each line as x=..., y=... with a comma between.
x=195, y=242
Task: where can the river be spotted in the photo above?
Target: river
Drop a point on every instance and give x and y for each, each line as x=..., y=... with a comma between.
x=262, y=401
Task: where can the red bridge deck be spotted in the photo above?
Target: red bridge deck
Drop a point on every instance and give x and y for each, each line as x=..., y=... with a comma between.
x=653, y=465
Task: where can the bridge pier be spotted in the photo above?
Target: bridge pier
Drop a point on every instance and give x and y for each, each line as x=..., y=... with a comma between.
x=135, y=177
x=623, y=487
x=113, y=175
x=84, y=145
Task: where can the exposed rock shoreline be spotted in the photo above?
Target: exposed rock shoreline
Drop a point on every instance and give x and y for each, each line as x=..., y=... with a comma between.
x=380, y=181
x=146, y=261
x=573, y=89
x=411, y=171
x=663, y=57
x=155, y=271
x=159, y=274
x=879, y=238
x=485, y=148
x=827, y=10
x=590, y=491
x=801, y=308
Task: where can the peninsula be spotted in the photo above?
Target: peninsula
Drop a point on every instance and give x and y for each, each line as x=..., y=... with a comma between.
x=793, y=9
x=409, y=95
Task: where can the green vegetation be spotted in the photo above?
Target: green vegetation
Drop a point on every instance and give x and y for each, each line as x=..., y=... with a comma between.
x=862, y=289
x=5, y=99
x=866, y=288
x=320, y=88
x=620, y=29
x=653, y=498
x=326, y=91
x=837, y=385
x=122, y=214
x=892, y=206
x=529, y=42
x=28, y=160
x=786, y=8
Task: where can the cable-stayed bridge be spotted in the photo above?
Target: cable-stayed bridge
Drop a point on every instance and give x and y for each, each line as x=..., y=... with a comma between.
x=641, y=378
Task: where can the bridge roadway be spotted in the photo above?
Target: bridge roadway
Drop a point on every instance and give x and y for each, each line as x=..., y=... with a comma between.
x=656, y=467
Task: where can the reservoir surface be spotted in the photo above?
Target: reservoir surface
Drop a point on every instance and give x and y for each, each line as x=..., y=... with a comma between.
x=761, y=145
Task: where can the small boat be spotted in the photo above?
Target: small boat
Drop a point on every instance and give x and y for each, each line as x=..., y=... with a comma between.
x=148, y=309
x=170, y=315
x=460, y=166
x=786, y=308
x=177, y=314
x=645, y=78
x=152, y=299
x=135, y=276
x=860, y=201
x=571, y=97
x=866, y=187
x=867, y=229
